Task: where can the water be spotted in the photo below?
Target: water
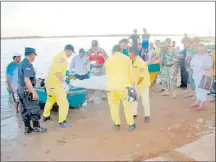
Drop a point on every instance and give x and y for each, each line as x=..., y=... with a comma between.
x=46, y=49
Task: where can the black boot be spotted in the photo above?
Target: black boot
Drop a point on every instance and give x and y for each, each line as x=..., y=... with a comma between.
x=28, y=128
x=46, y=118
x=37, y=128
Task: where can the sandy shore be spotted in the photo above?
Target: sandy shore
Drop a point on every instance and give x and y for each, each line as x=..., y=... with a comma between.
x=173, y=124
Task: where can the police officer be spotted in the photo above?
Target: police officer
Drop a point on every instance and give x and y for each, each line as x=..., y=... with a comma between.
x=30, y=109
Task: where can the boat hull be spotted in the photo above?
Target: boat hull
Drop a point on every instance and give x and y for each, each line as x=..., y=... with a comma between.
x=76, y=96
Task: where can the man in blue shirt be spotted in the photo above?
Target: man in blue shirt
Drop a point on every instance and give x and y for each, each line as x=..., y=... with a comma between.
x=12, y=79
x=135, y=39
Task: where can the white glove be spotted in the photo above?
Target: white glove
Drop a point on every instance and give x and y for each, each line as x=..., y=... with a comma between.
x=66, y=87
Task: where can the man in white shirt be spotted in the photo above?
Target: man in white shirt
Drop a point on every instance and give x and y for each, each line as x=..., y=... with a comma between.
x=79, y=65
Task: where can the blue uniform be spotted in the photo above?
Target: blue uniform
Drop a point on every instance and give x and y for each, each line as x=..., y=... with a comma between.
x=30, y=109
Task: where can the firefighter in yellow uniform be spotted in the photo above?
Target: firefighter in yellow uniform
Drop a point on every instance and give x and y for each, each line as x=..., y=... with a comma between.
x=56, y=87
x=141, y=80
x=119, y=77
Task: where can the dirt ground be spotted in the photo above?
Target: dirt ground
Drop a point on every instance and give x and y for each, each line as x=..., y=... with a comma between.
x=91, y=138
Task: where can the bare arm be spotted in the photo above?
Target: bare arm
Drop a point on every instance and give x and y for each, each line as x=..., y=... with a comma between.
x=8, y=81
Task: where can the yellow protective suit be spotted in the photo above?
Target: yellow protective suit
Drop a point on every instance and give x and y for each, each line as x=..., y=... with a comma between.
x=119, y=76
x=140, y=70
x=55, y=89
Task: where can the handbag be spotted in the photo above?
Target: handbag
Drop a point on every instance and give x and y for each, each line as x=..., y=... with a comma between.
x=206, y=82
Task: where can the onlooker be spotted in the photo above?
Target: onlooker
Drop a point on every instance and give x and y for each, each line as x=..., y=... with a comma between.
x=145, y=40
x=173, y=44
x=12, y=79
x=150, y=51
x=182, y=64
x=201, y=64
x=135, y=38
x=124, y=46
x=79, y=65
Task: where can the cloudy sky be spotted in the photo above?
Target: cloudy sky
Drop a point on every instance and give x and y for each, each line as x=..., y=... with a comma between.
x=67, y=18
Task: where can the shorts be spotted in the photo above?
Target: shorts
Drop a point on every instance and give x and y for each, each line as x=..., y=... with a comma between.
x=15, y=97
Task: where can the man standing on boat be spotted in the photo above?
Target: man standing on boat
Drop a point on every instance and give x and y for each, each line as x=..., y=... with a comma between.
x=97, y=56
x=29, y=106
x=145, y=40
x=79, y=65
x=135, y=39
x=141, y=80
x=119, y=78
x=57, y=88
x=12, y=79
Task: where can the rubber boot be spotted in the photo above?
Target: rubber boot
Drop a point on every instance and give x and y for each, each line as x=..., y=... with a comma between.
x=46, y=118
x=132, y=127
x=28, y=128
x=147, y=119
x=37, y=128
x=116, y=126
x=64, y=124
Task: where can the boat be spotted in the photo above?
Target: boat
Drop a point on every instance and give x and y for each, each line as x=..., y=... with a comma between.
x=75, y=96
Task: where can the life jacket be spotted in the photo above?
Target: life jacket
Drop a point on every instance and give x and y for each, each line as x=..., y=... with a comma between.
x=96, y=57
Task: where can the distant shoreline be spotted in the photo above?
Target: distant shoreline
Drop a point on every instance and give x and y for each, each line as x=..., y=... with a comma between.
x=203, y=38
x=82, y=36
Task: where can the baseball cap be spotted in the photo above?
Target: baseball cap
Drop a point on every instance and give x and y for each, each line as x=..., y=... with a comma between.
x=82, y=50
x=94, y=43
x=133, y=49
x=16, y=54
x=69, y=47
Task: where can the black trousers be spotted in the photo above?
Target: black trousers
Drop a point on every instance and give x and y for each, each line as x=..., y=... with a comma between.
x=30, y=110
x=183, y=76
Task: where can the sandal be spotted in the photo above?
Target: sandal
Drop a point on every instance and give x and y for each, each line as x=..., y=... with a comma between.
x=164, y=94
x=188, y=95
x=195, y=105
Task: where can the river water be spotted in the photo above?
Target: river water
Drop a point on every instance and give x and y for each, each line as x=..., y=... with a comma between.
x=46, y=49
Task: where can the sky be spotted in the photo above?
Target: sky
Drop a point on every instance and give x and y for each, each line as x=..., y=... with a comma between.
x=68, y=18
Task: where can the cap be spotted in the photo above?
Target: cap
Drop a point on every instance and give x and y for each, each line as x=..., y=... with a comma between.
x=117, y=48
x=82, y=50
x=29, y=51
x=162, y=44
x=94, y=43
x=16, y=54
x=133, y=49
x=69, y=47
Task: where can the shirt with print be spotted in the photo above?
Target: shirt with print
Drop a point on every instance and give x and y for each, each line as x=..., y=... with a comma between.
x=168, y=57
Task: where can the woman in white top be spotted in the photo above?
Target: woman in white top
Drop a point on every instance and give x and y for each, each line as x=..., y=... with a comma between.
x=201, y=64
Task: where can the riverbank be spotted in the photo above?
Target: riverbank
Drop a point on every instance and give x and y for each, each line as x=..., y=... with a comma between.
x=91, y=138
